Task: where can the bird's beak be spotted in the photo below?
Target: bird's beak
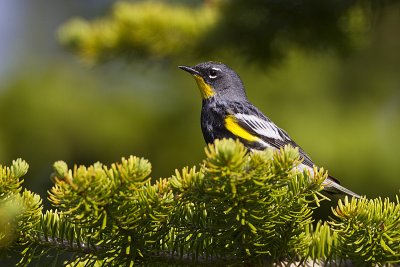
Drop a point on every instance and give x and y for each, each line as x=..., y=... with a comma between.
x=205, y=89
x=190, y=70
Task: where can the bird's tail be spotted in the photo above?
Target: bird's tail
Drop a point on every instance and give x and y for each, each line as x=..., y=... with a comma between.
x=332, y=186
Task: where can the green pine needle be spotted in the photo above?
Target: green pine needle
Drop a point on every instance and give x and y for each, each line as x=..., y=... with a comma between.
x=237, y=207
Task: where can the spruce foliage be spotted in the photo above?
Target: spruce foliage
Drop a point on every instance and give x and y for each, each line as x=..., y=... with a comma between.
x=236, y=208
x=257, y=31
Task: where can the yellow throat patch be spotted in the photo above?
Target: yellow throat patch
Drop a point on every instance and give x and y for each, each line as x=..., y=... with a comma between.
x=205, y=89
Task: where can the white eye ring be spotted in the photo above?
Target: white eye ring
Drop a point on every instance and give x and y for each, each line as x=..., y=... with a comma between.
x=213, y=73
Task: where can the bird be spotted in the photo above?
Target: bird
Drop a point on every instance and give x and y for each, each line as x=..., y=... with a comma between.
x=227, y=113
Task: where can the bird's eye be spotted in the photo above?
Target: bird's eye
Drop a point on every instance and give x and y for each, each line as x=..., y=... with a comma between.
x=213, y=73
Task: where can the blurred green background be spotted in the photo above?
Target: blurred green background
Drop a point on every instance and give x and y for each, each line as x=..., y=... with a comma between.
x=87, y=81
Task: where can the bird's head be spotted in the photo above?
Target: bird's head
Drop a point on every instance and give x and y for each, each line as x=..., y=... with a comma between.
x=217, y=80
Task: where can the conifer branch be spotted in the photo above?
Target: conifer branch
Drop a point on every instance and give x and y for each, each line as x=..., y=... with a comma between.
x=236, y=207
x=157, y=30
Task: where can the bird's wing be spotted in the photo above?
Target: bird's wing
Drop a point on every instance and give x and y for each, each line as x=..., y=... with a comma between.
x=257, y=124
x=248, y=123
x=251, y=124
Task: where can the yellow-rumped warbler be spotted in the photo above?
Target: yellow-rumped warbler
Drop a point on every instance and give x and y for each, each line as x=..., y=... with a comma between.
x=227, y=113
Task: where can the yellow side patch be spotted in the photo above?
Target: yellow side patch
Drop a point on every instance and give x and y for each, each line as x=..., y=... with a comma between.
x=232, y=125
x=205, y=89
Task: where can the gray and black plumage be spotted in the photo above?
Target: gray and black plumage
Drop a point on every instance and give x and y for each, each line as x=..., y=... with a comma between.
x=227, y=113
